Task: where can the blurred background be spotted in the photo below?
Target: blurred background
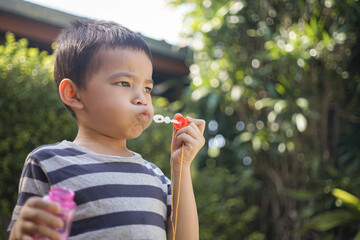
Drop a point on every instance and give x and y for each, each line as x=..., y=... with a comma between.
x=278, y=82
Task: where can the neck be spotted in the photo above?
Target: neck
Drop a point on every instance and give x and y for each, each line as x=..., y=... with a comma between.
x=102, y=144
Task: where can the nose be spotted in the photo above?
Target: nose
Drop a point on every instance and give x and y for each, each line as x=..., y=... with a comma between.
x=139, y=98
x=139, y=101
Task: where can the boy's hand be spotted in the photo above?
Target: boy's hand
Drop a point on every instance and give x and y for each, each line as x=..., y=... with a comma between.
x=37, y=219
x=192, y=136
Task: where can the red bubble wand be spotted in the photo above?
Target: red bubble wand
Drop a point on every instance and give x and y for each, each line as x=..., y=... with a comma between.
x=178, y=123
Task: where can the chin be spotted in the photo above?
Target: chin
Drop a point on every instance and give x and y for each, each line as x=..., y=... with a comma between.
x=138, y=130
x=135, y=134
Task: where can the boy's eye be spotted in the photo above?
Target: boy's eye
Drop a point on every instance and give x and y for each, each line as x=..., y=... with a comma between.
x=147, y=89
x=123, y=84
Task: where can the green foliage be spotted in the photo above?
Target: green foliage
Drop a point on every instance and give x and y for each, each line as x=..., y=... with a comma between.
x=31, y=114
x=223, y=208
x=278, y=83
x=338, y=217
x=348, y=199
x=331, y=219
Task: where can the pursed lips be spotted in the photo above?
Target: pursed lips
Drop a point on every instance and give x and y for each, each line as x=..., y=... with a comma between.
x=144, y=115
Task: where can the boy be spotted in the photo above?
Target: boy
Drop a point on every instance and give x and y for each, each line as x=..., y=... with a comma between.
x=104, y=75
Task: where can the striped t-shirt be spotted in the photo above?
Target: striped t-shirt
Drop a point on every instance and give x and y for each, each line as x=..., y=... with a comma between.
x=116, y=197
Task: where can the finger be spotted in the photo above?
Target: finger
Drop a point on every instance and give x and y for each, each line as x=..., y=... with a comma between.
x=48, y=232
x=40, y=231
x=197, y=130
x=26, y=237
x=197, y=134
x=187, y=135
x=200, y=123
x=189, y=141
x=177, y=114
x=39, y=203
x=192, y=130
x=39, y=215
x=30, y=228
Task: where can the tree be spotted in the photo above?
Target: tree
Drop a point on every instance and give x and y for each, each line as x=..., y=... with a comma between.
x=278, y=83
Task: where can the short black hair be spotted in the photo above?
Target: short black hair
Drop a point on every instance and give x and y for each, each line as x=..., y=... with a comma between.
x=77, y=46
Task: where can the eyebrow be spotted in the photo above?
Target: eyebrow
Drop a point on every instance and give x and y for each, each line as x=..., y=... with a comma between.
x=121, y=74
x=128, y=74
x=150, y=81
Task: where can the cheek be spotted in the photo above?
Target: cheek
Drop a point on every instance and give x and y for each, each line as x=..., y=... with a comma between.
x=151, y=110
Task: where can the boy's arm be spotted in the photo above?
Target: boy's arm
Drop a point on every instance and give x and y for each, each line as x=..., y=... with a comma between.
x=190, y=140
x=36, y=218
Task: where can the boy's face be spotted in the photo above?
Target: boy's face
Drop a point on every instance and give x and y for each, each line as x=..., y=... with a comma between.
x=117, y=100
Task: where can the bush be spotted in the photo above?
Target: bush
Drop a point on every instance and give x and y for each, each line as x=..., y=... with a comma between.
x=31, y=114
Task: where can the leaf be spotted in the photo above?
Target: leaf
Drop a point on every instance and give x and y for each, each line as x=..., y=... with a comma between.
x=357, y=236
x=280, y=89
x=300, y=194
x=347, y=198
x=331, y=219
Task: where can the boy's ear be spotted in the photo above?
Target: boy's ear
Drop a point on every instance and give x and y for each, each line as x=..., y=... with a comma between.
x=69, y=94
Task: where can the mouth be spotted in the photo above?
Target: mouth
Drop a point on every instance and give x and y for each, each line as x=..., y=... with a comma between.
x=144, y=116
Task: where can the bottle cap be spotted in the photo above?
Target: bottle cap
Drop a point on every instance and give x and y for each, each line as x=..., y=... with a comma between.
x=64, y=197
x=181, y=122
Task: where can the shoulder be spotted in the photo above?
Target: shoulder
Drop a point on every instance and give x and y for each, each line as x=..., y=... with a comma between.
x=155, y=171
x=48, y=151
x=151, y=166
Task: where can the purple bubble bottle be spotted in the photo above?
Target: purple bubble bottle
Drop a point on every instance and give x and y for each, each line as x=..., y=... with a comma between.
x=65, y=198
